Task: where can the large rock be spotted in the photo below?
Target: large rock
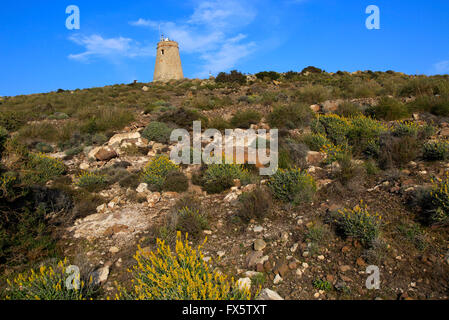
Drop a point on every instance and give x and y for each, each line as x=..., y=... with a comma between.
x=253, y=258
x=102, y=154
x=118, y=138
x=244, y=284
x=100, y=276
x=315, y=108
x=267, y=294
x=314, y=158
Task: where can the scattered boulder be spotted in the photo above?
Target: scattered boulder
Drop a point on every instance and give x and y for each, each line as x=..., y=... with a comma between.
x=100, y=276
x=267, y=294
x=244, y=284
x=253, y=258
x=104, y=154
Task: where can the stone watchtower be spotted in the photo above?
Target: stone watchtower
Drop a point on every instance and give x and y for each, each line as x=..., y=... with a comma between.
x=168, y=62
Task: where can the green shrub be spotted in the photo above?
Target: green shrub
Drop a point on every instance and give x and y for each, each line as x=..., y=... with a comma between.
x=191, y=222
x=269, y=75
x=315, y=141
x=179, y=275
x=255, y=205
x=157, y=131
x=439, y=197
x=219, y=123
x=311, y=94
x=290, y=116
x=320, y=284
x=176, y=181
x=59, y=116
x=388, y=109
x=405, y=129
x=41, y=168
x=44, y=147
x=397, y=151
x=333, y=126
x=244, y=119
x=436, y=150
x=3, y=138
x=348, y=109
x=49, y=283
x=311, y=69
x=233, y=77
x=155, y=173
x=360, y=224
x=292, y=185
x=91, y=181
x=182, y=117
x=220, y=177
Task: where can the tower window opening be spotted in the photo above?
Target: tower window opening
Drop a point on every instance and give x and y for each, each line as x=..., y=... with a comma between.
x=162, y=52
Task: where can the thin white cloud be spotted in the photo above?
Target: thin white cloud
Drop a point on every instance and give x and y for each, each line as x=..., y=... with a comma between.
x=211, y=32
x=442, y=67
x=113, y=48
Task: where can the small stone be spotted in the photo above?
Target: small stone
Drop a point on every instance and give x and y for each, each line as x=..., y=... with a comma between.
x=299, y=272
x=316, y=295
x=221, y=253
x=84, y=166
x=278, y=279
x=281, y=269
x=292, y=265
x=259, y=245
x=114, y=249
x=260, y=267
x=305, y=254
x=258, y=229
x=267, y=294
x=321, y=257
x=294, y=248
x=253, y=258
x=143, y=187
x=208, y=232
x=100, y=276
x=268, y=267
x=345, y=268
x=305, y=265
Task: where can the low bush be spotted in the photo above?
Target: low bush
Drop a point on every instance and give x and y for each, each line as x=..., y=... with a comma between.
x=233, y=77
x=91, y=181
x=397, y=151
x=268, y=75
x=439, y=197
x=312, y=94
x=244, y=119
x=290, y=116
x=348, y=109
x=3, y=137
x=436, y=150
x=179, y=275
x=43, y=147
x=255, y=205
x=405, y=129
x=334, y=127
x=175, y=181
x=158, y=132
x=360, y=224
x=293, y=186
x=156, y=172
x=41, y=168
x=182, y=118
x=388, y=109
x=315, y=141
x=220, y=177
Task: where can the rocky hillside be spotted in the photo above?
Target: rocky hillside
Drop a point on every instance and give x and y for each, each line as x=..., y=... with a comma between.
x=363, y=158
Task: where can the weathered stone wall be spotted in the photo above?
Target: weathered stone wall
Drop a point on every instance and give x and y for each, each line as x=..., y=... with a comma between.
x=168, y=62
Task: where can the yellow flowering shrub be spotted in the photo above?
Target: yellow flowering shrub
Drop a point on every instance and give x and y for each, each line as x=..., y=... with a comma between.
x=179, y=275
x=91, y=181
x=360, y=224
x=155, y=173
x=333, y=152
x=7, y=181
x=49, y=283
x=439, y=196
x=41, y=168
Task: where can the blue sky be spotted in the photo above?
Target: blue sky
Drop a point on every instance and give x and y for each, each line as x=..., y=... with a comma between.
x=117, y=39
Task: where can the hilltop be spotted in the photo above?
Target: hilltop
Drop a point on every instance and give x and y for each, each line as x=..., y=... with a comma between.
x=364, y=158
